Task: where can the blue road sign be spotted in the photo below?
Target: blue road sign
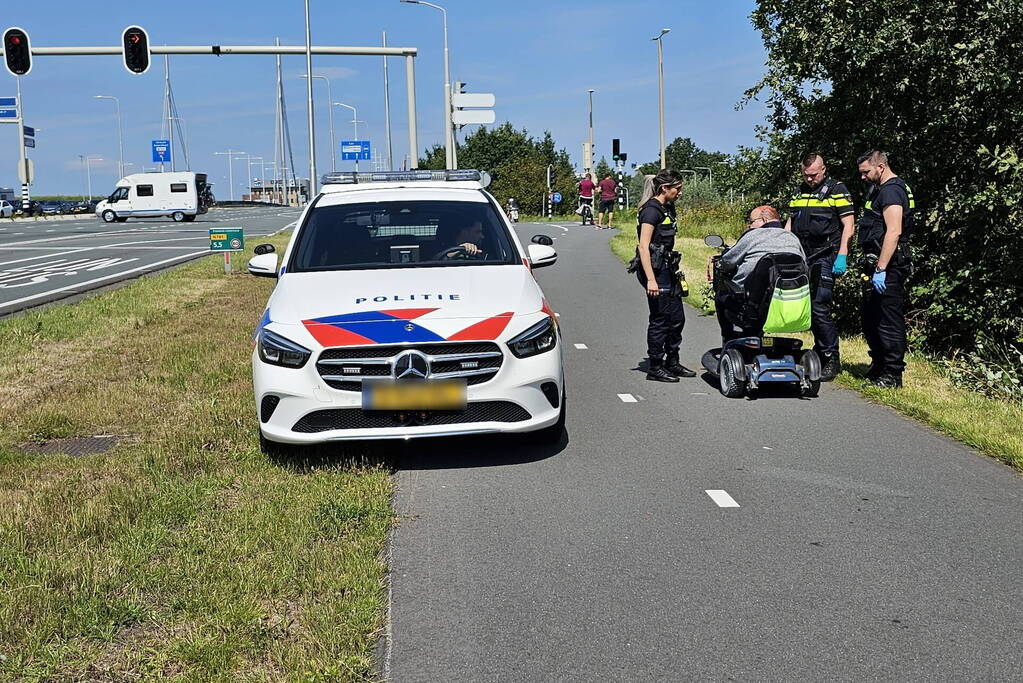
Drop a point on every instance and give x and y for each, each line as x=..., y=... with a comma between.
x=8, y=113
x=30, y=131
x=161, y=151
x=556, y=197
x=356, y=150
x=8, y=101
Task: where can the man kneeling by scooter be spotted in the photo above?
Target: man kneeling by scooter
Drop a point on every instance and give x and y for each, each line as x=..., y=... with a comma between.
x=761, y=287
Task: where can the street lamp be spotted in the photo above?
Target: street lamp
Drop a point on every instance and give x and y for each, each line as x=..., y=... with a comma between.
x=660, y=86
x=589, y=161
x=249, y=164
x=230, y=167
x=88, y=171
x=450, y=152
x=120, y=136
x=330, y=110
x=355, y=120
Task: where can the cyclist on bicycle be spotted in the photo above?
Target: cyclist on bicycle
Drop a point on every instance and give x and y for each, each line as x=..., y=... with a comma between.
x=586, y=188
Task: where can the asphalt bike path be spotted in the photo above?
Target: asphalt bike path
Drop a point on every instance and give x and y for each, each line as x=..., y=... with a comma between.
x=682, y=535
x=43, y=261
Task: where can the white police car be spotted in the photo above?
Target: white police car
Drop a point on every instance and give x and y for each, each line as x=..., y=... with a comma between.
x=405, y=307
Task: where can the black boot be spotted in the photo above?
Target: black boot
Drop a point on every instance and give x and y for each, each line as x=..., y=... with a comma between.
x=674, y=367
x=888, y=380
x=656, y=372
x=831, y=365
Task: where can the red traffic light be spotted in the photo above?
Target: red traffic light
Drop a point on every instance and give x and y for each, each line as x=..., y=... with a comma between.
x=17, y=52
x=135, y=44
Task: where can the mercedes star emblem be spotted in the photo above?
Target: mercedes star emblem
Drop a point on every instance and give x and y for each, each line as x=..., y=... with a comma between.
x=411, y=365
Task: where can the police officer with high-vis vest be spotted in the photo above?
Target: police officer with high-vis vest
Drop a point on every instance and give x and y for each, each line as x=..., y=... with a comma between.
x=656, y=267
x=884, y=231
x=821, y=216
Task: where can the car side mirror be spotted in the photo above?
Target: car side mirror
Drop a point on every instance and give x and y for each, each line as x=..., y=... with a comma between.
x=714, y=241
x=541, y=255
x=264, y=249
x=542, y=239
x=263, y=265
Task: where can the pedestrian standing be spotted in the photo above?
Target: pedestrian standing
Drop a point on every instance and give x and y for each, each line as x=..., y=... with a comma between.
x=607, y=201
x=657, y=270
x=884, y=231
x=821, y=216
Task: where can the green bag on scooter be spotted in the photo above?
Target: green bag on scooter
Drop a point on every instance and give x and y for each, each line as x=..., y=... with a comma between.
x=789, y=310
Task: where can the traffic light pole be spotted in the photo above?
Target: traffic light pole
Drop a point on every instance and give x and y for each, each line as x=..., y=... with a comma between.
x=22, y=156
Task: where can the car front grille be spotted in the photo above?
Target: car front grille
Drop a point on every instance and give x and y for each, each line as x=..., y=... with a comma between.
x=356, y=418
x=345, y=368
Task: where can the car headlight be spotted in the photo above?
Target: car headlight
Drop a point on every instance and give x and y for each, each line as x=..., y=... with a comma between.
x=276, y=350
x=539, y=338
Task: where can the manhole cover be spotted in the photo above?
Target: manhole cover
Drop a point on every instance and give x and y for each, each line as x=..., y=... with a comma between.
x=74, y=446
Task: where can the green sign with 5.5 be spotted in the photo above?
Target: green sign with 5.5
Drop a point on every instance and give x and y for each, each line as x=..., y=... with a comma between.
x=231, y=239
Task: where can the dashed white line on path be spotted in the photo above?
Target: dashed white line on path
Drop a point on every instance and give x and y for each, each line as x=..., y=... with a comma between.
x=767, y=448
x=722, y=498
x=627, y=398
x=581, y=346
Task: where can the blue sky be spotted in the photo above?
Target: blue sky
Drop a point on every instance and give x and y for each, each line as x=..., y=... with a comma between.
x=538, y=57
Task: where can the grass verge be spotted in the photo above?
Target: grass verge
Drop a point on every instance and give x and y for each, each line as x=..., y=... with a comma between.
x=989, y=425
x=182, y=552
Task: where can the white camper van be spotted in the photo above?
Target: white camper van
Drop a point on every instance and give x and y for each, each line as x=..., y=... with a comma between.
x=179, y=195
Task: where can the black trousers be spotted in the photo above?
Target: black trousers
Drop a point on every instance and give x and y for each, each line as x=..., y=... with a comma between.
x=884, y=324
x=822, y=323
x=667, y=318
x=728, y=307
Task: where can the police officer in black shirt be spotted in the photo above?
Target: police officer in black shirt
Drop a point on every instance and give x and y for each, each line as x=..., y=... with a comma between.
x=657, y=271
x=884, y=231
x=821, y=216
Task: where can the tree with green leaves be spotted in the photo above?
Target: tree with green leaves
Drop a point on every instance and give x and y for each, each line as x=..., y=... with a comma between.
x=935, y=83
x=517, y=162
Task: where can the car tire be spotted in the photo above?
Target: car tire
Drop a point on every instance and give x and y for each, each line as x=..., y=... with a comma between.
x=178, y=216
x=732, y=374
x=109, y=216
x=551, y=436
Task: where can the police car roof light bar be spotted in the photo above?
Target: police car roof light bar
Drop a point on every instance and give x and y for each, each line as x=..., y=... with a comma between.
x=352, y=178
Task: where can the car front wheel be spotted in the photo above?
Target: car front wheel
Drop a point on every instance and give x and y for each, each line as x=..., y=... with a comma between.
x=109, y=216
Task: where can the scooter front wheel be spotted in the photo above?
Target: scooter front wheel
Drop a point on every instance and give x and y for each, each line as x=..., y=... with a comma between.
x=732, y=374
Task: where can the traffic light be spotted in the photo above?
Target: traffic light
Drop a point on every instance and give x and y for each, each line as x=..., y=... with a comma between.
x=135, y=41
x=616, y=148
x=17, y=52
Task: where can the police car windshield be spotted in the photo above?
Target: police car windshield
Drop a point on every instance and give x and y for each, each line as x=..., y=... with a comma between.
x=401, y=234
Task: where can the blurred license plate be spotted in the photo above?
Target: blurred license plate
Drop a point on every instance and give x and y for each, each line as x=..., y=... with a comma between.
x=438, y=395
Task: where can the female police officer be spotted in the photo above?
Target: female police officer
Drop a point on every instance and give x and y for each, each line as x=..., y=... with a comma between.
x=658, y=263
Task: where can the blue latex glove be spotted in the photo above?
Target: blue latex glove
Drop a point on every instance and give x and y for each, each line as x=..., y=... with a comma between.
x=839, y=267
x=879, y=283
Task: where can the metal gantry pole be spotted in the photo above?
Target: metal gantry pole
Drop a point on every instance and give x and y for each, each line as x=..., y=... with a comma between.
x=660, y=88
x=410, y=85
x=309, y=97
x=450, y=158
x=387, y=111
